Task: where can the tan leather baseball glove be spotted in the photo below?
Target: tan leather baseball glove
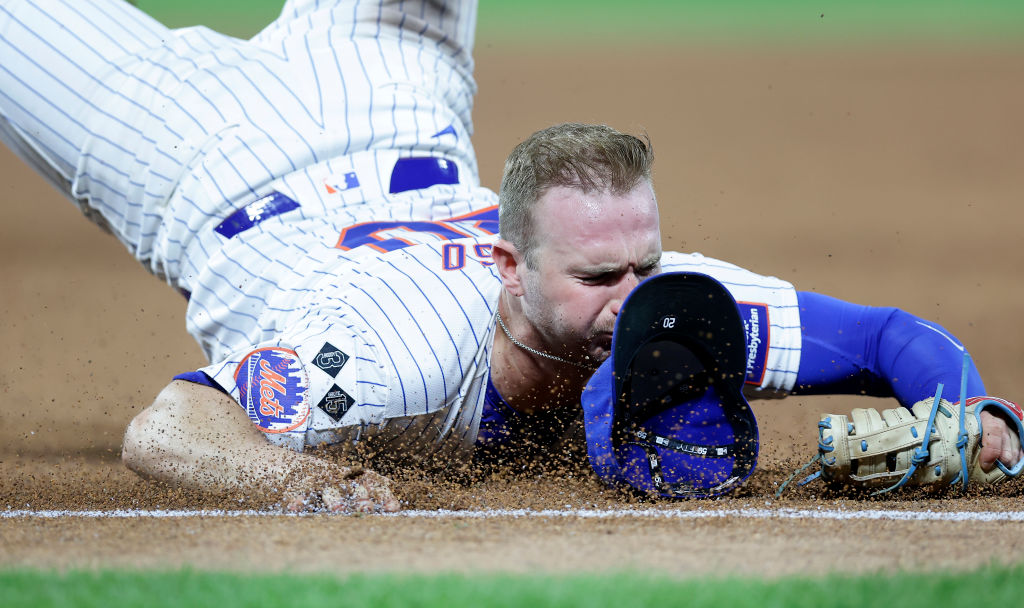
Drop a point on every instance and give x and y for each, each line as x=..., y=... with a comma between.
x=935, y=442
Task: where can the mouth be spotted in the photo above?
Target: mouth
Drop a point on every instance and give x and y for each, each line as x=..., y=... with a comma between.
x=601, y=346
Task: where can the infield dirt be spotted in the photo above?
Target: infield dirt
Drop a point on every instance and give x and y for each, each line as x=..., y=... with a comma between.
x=890, y=176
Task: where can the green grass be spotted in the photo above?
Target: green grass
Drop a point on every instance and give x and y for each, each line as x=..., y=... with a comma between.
x=992, y=586
x=730, y=21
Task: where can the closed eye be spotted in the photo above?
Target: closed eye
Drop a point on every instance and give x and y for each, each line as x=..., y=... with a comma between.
x=600, y=278
x=649, y=269
x=612, y=276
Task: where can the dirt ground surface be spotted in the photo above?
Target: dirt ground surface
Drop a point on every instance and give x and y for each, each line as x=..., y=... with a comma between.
x=881, y=176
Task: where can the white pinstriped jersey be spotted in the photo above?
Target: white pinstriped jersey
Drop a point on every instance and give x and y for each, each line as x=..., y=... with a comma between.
x=165, y=136
x=412, y=331
x=160, y=134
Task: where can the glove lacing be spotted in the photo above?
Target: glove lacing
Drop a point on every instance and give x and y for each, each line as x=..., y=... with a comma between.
x=921, y=453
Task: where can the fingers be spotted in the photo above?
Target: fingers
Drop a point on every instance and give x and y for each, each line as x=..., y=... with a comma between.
x=1012, y=452
x=348, y=490
x=379, y=489
x=998, y=443
x=991, y=442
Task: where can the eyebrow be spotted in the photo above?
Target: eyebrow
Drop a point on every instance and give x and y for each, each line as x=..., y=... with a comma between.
x=650, y=261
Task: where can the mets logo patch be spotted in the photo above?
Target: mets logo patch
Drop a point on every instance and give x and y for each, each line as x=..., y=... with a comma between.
x=272, y=387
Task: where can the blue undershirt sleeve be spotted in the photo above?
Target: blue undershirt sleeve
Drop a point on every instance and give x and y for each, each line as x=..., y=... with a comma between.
x=883, y=352
x=197, y=377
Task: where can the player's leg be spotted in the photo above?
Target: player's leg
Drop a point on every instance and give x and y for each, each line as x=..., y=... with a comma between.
x=56, y=55
x=85, y=88
x=402, y=71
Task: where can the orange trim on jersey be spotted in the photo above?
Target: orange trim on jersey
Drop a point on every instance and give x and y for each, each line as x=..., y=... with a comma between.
x=470, y=214
x=397, y=225
x=479, y=223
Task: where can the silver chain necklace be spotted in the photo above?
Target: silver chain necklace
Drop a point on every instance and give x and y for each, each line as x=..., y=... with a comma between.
x=539, y=352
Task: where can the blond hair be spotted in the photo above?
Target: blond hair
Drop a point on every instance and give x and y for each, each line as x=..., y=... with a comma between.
x=586, y=157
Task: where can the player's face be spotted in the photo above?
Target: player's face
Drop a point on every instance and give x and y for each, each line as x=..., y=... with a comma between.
x=592, y=250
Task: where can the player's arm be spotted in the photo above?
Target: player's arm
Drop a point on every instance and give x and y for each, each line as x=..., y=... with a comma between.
x=197, y=437
x=886, y=352
x=883, y=352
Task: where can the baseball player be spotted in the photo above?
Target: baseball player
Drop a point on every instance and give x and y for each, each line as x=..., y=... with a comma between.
x=313, y=194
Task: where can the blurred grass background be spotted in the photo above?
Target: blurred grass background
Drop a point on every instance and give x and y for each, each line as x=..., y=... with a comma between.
x=789, y=22
x=996, y=585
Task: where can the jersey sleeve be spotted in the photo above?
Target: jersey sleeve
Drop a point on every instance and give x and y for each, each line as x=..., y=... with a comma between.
x=771, y=319
x=396, y=347
x=879, y=351
x=305, y=381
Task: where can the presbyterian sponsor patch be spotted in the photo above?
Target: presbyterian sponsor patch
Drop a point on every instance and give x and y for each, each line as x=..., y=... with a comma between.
x=756, y=325
x=273, y=389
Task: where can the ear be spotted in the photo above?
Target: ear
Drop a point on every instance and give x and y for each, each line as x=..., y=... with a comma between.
x=508, y=260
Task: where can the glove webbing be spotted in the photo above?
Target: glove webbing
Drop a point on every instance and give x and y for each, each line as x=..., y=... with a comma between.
x=921, y=453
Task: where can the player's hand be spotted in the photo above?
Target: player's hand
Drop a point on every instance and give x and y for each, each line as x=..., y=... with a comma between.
x=999, y=441
x=339, y=489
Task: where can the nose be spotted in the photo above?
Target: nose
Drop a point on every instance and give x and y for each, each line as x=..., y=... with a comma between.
x=626, y=285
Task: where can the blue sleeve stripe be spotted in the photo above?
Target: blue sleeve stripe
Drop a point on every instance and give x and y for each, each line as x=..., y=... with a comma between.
x=114, y=40
x=293, y=244
x=46, y=101
x=163, y=153
x=285, y=88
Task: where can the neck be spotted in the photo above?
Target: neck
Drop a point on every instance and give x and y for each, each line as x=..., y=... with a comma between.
x=528, y=381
